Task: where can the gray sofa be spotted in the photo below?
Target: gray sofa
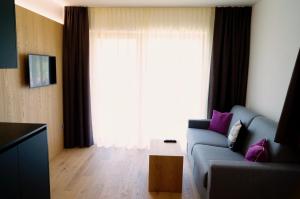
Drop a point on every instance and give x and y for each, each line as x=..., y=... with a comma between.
x=220, y=173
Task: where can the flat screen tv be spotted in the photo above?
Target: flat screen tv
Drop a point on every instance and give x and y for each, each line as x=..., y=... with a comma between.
x=41, y=70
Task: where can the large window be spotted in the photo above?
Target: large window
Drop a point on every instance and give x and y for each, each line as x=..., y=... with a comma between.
x=149, y=72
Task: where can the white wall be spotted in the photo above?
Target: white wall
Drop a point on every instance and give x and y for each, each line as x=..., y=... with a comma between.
x=52, y=9
x=275, y=41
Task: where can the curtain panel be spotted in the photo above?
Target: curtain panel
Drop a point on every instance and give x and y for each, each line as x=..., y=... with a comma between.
x=76, y=86
x=149, y=72
x=288, y=127
x=230, y=58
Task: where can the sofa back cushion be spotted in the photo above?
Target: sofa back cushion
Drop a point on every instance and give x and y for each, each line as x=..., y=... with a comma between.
x=261, y=128
x=243, y=114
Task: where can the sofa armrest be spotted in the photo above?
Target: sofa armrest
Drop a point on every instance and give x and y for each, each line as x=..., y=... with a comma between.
x=199, y=124
x=248, y=180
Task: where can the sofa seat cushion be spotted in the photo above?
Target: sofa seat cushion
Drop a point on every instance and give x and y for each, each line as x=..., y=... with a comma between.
x=203, y=154
x=207, y=137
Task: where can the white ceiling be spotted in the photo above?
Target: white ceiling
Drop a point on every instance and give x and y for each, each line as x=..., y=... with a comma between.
x=54, y=9
x=157, y=3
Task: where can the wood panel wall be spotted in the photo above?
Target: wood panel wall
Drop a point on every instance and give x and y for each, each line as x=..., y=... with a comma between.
x=18, y=103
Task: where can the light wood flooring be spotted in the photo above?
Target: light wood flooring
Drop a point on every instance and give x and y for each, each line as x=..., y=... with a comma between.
x=109, y=173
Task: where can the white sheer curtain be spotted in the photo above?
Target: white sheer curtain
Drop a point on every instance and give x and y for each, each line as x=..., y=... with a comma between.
x=149, y=72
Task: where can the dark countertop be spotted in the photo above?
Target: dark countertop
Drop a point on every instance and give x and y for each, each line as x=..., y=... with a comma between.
x=13, y=133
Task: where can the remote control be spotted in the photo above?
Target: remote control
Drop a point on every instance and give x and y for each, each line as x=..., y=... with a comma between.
x=170, y=141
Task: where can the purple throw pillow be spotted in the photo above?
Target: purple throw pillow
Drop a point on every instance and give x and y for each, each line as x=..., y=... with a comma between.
x=220, y=122
x=258, y=152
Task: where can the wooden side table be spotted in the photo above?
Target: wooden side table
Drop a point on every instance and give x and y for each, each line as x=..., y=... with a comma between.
x=165, y=167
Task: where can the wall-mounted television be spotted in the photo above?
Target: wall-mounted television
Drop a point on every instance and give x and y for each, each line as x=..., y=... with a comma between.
x=41, y=70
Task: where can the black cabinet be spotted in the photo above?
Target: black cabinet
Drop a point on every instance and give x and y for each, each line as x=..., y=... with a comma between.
x=24, y=165
x=34, y=168
x=9, y=187
x=8, y=38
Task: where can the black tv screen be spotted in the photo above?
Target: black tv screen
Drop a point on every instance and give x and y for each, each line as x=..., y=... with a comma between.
x=41, y=70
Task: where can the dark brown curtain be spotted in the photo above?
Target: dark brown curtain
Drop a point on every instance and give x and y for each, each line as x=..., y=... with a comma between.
x=288, y=127
x=230, y=58
x=76, y=88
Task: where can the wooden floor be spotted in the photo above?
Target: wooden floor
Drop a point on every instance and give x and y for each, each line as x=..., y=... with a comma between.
x=108, y=173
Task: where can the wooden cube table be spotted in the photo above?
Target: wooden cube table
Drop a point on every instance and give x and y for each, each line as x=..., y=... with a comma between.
x=165, y=167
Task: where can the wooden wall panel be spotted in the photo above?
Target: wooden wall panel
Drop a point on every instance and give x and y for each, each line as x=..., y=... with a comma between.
x=18, y=103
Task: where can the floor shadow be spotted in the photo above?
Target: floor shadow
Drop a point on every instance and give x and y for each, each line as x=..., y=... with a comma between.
x=165, y=195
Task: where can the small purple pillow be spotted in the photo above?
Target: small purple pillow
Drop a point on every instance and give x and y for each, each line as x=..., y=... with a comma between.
x=258, y=152
x=220, y=122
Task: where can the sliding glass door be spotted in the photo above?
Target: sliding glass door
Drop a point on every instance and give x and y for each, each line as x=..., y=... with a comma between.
x=147, y=83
